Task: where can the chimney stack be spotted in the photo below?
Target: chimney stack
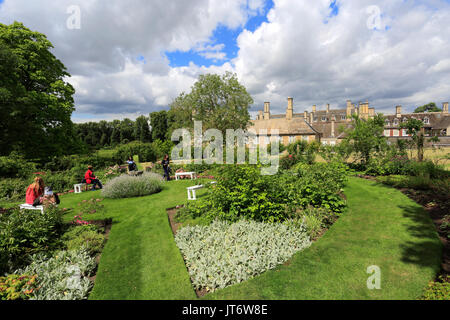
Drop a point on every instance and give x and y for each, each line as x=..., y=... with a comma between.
x=349, y=109
x=266, y=110
x=290, y=109
x=328, y=107
x=314, y=110
x=398, y=111
x=261, y=115
x=445, y=107
x=305, y=115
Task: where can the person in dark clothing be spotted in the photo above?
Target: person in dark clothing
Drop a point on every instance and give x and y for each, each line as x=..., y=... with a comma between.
x=165, y=163
x=131, y=164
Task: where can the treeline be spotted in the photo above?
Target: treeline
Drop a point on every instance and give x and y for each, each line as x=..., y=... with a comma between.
x=112, y=133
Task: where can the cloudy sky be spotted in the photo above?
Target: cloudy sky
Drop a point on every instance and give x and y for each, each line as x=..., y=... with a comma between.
x=129, y=58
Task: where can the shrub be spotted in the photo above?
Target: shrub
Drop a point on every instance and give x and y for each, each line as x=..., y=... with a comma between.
x=242, y=192
x=15, y=166
x=86, y=237
x=64, y=276
x=13, y=189
x=17, y=287
x=223, y=254
x=132, y=186
x=145, y=151
x=26, y=233
x=438, y=290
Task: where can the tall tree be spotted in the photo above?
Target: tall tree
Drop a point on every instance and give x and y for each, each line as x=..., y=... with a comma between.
x=431, y=107
x=220, y=102
x=142, y=129
x=414, y=127
x=159, y=124
x=36, y=101
x=366, y=137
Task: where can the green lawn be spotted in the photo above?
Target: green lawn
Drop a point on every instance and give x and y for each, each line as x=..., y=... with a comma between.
x=381, y=227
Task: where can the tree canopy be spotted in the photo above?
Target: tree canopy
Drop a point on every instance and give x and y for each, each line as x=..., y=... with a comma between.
x=36, y=101
x=430, y=107
x=220, y=102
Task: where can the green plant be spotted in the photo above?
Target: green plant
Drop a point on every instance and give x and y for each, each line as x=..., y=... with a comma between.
x=438, y=290
x=223, y=254
x=86, y=236
x=63, y=276
x=13, y=189
x=129, y=186
x=25, y=233
x=17, y=287
x=14, y=166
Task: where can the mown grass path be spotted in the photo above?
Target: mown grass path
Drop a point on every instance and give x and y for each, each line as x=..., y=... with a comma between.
x=381, y=227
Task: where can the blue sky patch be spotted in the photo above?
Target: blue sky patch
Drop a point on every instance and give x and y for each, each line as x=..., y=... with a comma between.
x=222, y=46
x=334, y=7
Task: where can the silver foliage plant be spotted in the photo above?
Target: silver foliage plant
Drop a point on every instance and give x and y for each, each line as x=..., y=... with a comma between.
x=223, y=254
x=63, y=276
x=126, y=186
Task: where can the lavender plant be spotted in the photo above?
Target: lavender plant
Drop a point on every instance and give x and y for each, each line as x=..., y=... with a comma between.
x=132, y=186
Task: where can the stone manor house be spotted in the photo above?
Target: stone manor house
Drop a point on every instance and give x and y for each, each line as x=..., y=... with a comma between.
x=326, y=126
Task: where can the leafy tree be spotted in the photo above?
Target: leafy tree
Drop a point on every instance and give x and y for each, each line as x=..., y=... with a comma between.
x=220, y=102
x=142, y=130
x=415, y=129
x=126, y=131
x=366, y=137
x=36, y=101
x=431, y=107
x=160, y=125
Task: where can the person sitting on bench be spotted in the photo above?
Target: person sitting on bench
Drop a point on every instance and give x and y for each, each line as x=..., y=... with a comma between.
x=48, y=198
x=131, y=165
x=89, y=178
x=35, y=190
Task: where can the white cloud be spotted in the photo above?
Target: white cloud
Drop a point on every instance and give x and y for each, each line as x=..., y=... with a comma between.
x=300, y=52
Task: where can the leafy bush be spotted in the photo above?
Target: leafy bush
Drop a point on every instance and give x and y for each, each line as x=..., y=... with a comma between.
x=242, y=192
x=145, y=151
x=17, y=287
x=418, y=183
x=315, y=220
x=132, y=186
x=64, y=276
x=299, y=151
x=438, y=290
x=65, y=163
x=15, y=166
x=223, y=254
x=13, y=189
x=87, y=237
x=26, y=233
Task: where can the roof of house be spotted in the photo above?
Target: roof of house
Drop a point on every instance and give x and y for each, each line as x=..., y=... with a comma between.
x=296, y=126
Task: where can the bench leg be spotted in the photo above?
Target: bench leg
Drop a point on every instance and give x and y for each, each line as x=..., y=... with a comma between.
x=194, y=196
x=189, y=194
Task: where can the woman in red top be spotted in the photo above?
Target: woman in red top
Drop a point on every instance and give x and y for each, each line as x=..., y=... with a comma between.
x=35, y=190
x=91, y=179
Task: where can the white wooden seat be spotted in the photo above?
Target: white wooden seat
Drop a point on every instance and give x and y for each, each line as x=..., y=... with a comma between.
x=181, y=174
x=78, y=188
x=192, y=191
x=26, y=206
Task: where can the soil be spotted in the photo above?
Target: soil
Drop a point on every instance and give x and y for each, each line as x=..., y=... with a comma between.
x=437, y=205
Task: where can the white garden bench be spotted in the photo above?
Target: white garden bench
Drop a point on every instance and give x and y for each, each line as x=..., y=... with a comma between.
x=31, y=207
x=78, y=188
x=191, y=191
x=180, y=174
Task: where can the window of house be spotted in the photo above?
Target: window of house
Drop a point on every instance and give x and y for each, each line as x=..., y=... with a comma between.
x=324, y=118
x=405, y=120
x=426, y=120
x=291, y=139
x=396, y=122
x=387, y=123
x=305, y=138
x=343, y=117
x=396, y=133
x=387, y=133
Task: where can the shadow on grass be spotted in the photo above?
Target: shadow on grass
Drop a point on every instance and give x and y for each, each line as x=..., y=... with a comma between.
x=426, y=249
